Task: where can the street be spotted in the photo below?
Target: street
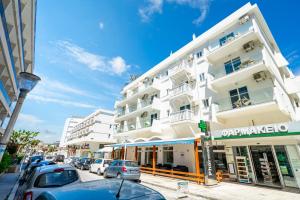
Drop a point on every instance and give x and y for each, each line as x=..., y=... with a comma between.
x=168, y=194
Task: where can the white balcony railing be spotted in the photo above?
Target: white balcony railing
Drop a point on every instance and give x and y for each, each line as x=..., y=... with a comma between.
x=253, y=98
x=220, y=72
x=182, y=116
x=180, y=89
x=182, y=65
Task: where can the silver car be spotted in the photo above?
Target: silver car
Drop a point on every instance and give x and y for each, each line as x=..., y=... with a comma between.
x=123, y=169
x=46, y=178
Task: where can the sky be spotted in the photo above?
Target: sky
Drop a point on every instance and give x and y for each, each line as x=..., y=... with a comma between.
x=86, y=50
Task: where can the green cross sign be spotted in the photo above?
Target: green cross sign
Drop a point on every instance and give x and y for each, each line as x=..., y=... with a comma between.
x=203, y=126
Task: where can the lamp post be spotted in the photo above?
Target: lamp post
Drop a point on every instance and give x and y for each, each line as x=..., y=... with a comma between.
x=125, y=147
x=27, y=82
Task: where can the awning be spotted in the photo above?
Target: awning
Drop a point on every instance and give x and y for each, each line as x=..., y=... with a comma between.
x=157, y=143
x=105, y=150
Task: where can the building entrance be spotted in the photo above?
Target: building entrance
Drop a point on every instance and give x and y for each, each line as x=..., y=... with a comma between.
x=264, y=165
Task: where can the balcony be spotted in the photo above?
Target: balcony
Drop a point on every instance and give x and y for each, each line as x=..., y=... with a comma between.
x=246, y=69
x=253, y=103
x=182, y=116
x=143, y=106
x=182, y=69
x=184, y=90
x=144, y=88
x=232, y=44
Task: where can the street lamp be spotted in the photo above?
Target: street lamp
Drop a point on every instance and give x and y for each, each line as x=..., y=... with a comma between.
x=27, y=82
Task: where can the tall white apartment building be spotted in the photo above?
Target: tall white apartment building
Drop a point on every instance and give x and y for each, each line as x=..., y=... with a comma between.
x=68, y=127
x=233, y=76
x=17, y=44
x=89, y=134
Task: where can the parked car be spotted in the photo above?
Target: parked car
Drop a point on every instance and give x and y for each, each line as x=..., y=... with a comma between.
x=59, y=158
x=103, y=189
x=33, y=166
x=73, y=160
x=99, y=165
x=83, y=163
x=50, y=158
x=46, y=178
x=124, y=169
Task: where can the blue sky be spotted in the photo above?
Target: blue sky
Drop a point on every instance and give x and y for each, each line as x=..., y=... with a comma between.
x=86, y=50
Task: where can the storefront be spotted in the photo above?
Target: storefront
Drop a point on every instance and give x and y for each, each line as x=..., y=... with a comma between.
x=265, y=155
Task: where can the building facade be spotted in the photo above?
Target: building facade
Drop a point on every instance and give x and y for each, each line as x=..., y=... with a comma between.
x=85, y=136
x=17, y=41
x=233, y=76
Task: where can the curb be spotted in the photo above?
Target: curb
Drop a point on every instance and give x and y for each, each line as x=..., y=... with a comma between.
x=170, y=188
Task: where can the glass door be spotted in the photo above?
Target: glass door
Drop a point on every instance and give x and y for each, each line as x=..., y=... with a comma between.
x=265, y=166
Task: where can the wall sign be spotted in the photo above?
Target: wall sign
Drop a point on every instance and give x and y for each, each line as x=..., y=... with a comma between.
x=271, y=128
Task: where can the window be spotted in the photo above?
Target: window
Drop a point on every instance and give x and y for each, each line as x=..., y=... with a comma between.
x=199, y=54
x=205, y=103
x=185, y=107
x=202, y=77
x=131, y=164
x=239, y=97
x=56, y=179
x=98, y=161
x=101, y=146
x=108, y=162
x=168, y=113
x=168, y=155
x=153, y=117
x=232, y=65
x=149, y=155
x=226, y=38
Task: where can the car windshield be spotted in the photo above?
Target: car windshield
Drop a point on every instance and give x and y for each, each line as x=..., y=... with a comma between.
x=56, y=179
x=131, y=164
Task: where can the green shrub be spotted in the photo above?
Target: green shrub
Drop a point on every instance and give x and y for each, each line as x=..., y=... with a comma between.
x=6, y=162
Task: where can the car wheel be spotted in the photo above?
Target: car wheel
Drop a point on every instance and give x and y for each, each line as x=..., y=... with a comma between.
x=99, y=172
x=119, y=176
x=82, y=168
x=105, y=175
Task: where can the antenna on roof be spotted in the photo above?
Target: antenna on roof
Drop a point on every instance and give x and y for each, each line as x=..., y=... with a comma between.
x=194, y=36
x=119, y=191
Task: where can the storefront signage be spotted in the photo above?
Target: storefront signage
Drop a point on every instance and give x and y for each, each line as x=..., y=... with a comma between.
x=272, y=128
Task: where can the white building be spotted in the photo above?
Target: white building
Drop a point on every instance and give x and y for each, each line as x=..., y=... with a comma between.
x=17, y=42
x=90, y=133
x=233, y=76
x=68, y=127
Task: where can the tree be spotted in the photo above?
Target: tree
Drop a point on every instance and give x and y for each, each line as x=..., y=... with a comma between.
x=21, y=139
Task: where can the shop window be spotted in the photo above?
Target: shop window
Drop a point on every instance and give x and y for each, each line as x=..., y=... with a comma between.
x=240, y=97
x=149, y=155
x=232, y=65
x=168, y=155
x=220, y=161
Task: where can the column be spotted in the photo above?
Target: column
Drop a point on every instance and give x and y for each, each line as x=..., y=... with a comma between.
x=122, y=154
x=153, y=159
x=136, y=153
x=113, y=153
x=197, y=163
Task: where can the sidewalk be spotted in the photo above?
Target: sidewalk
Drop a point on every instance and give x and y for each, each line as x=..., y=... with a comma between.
x=224, y=190
x=7, y=182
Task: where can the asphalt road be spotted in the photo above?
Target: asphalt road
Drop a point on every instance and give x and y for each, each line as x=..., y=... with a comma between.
x=168, y=194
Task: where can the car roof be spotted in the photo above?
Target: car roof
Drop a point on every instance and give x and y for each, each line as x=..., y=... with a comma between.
x=106, y=189
x=50, y=168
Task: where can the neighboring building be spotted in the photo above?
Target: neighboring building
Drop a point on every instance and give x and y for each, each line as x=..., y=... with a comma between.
x=17, y=41
x=90, y=133
x=233, y=76
x=69, y=125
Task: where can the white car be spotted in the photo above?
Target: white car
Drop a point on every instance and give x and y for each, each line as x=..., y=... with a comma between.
x=46, y=178
x=99, y=165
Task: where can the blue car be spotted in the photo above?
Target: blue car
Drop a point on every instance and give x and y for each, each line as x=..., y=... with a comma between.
x=108, y=189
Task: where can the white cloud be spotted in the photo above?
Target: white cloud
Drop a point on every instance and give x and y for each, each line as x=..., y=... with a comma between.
x=101, y=25
x=155, y=6
x=29, y=119
x=62, y=102
x=94, y=61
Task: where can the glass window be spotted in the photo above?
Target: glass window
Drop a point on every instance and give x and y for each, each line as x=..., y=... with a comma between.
x=232, y=65
x=98, y=161
x=205, y=103
x=239, y=97
x=199, y=54
x=107, y=162
x=185, y=107
x=202, y=77
x=131, y=164
x=226, y=38
x=56, y=179
x=168, y=155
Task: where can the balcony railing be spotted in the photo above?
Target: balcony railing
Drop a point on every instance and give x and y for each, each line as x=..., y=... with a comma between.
x=182, y=115
x=243, y=65
x=252, y=98
x=183, y=65
x=180, y=89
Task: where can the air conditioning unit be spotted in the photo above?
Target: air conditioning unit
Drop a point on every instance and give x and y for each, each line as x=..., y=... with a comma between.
x=191, y=57
x=244, y=19
x=259, y=76
x=249, y=46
